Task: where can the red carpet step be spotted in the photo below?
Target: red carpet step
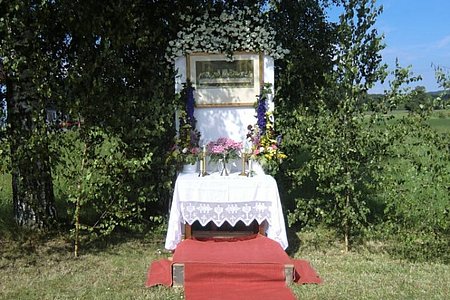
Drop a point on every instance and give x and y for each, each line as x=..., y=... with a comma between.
x=232, y=268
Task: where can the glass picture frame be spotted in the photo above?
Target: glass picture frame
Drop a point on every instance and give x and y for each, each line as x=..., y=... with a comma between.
x=220, y=81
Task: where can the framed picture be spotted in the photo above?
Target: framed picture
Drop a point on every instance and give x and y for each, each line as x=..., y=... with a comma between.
x=219, y=81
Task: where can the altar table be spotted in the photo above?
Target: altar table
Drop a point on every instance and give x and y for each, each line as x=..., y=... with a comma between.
x=230, y=198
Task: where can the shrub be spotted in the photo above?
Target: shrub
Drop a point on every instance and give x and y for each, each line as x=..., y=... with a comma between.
x=415, y=192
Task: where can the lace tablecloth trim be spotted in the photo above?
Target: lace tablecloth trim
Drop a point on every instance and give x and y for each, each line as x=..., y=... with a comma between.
x=231, y=212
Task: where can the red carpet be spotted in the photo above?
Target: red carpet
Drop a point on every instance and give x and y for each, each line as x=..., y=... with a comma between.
x=160, y=272
x=251, y=268
x=254, y=249
x=235, y=282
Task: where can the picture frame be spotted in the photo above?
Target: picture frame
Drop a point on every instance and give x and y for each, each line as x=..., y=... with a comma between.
x=220, y=81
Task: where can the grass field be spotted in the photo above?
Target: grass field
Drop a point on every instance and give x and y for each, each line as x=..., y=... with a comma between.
x=47, y=270
x=439, y=119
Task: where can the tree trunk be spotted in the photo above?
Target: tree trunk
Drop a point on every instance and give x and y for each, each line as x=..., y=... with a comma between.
x=346, y=225
x=33, y=198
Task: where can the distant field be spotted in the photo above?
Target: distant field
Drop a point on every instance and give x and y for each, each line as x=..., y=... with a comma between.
x=441, y=120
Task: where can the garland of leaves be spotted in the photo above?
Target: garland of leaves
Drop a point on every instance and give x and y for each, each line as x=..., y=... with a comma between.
x=246, y=30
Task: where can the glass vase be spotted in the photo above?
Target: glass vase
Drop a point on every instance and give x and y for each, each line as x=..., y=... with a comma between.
x=224, y=167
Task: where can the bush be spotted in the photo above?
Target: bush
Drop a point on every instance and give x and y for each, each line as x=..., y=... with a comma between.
x=416, y=192
x=103, y=188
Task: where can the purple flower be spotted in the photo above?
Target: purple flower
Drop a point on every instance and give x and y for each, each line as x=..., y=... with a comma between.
x=261, y=113
x=190, y=102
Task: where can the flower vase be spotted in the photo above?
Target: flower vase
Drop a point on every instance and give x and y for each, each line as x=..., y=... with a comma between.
x=224, y=167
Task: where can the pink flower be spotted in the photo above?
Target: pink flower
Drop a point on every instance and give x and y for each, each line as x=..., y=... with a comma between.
x=224, y=147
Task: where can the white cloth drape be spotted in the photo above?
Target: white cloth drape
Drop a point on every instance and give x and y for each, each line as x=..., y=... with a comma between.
x=225, y=198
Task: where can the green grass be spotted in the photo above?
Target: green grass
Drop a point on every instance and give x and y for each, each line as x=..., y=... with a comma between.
x=49, y=271
x=439, y=119
x=359, y=275
x=5, y=203
x=46, y=270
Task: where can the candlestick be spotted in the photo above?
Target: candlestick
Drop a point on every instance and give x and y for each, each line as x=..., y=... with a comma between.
x=201, y=167
x=244, y=156
x=203, y=163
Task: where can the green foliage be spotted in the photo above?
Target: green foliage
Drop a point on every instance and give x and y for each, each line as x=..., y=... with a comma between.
x=419, y=100
x=95, y=175
x=415, y=190
x=443, y=79
x=30, y=67
x=219, y=29
x=309, y=38
x=340, y=153
x=399, y=91
x=118, y=85
x=7, y=227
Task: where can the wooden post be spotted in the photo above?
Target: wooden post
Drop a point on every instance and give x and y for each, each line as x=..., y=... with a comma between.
x=187, y=231
x=262, y=228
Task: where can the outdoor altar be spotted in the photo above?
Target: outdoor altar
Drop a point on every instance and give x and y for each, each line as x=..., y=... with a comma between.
x=226, y=149
x=220, y=199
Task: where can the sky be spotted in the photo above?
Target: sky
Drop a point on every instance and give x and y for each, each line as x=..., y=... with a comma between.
x=417, y=32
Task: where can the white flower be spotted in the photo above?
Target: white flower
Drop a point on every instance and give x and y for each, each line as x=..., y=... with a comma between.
x=242, y=30
x=223, y=17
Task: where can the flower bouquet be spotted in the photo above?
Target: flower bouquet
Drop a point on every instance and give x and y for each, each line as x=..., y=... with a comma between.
x=265, y=142
x=186, y=150
x=186, y=153
x=223, y=150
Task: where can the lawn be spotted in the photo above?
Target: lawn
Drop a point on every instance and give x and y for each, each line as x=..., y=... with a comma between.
x=117, y=270
x=439, y=119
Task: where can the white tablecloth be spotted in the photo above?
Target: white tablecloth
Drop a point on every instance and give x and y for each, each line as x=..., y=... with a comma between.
x=225, y=198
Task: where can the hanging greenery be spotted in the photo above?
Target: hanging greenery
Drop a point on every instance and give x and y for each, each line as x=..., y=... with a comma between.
x=246, y=30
